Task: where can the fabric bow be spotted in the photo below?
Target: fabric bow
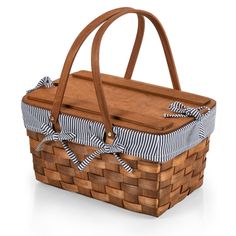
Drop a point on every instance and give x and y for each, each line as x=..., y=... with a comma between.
x=185, y=111
x=51, y=135
x=44, y=82
x=113, y=148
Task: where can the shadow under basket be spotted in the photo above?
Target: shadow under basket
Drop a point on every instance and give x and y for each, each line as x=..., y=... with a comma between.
x=151, y=189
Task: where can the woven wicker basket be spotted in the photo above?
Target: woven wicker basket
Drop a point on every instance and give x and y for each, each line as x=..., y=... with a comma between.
x=151, y=181
x=151, y=189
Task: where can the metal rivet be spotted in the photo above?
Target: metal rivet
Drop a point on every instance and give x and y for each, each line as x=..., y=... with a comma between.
x=109, y=134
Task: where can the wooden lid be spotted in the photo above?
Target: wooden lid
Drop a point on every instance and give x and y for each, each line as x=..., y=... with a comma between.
x=132, y=104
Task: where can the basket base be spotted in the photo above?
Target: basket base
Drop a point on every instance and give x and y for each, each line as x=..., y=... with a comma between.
x=151, y=189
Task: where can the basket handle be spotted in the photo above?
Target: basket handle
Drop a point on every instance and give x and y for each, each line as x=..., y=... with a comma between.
x=96, y=69
x=75, y=48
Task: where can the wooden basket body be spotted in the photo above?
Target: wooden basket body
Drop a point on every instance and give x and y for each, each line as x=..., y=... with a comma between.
x=151, y=189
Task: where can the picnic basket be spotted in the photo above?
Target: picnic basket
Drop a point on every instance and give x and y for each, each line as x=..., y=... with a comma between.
x=135, y=145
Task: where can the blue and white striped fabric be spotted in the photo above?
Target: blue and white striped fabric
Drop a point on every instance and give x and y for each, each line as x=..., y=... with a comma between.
x=156, y=148
x=44, y=82
x=113, y=148
x=185, y=111
x=34, y=117
x=51, y=135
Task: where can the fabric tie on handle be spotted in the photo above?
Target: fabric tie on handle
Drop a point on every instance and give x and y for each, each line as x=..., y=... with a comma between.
x=44, y=82
x=185, y=111
x=113, y=148
x=51, y=135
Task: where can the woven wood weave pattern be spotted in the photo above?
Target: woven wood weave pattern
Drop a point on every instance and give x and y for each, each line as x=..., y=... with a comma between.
x=151, y=189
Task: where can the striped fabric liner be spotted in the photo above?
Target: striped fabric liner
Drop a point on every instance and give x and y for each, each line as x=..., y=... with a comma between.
x=44, y=82
x=34, y=117
x=156, y=148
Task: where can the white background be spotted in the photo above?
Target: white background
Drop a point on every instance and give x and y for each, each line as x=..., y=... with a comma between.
x=34, y=39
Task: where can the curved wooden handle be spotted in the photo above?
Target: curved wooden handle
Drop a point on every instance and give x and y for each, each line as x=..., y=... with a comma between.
x=75, y=48
x=96, y=69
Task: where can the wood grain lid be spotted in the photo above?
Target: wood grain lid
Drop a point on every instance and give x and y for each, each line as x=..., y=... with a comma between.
x=132, y=104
